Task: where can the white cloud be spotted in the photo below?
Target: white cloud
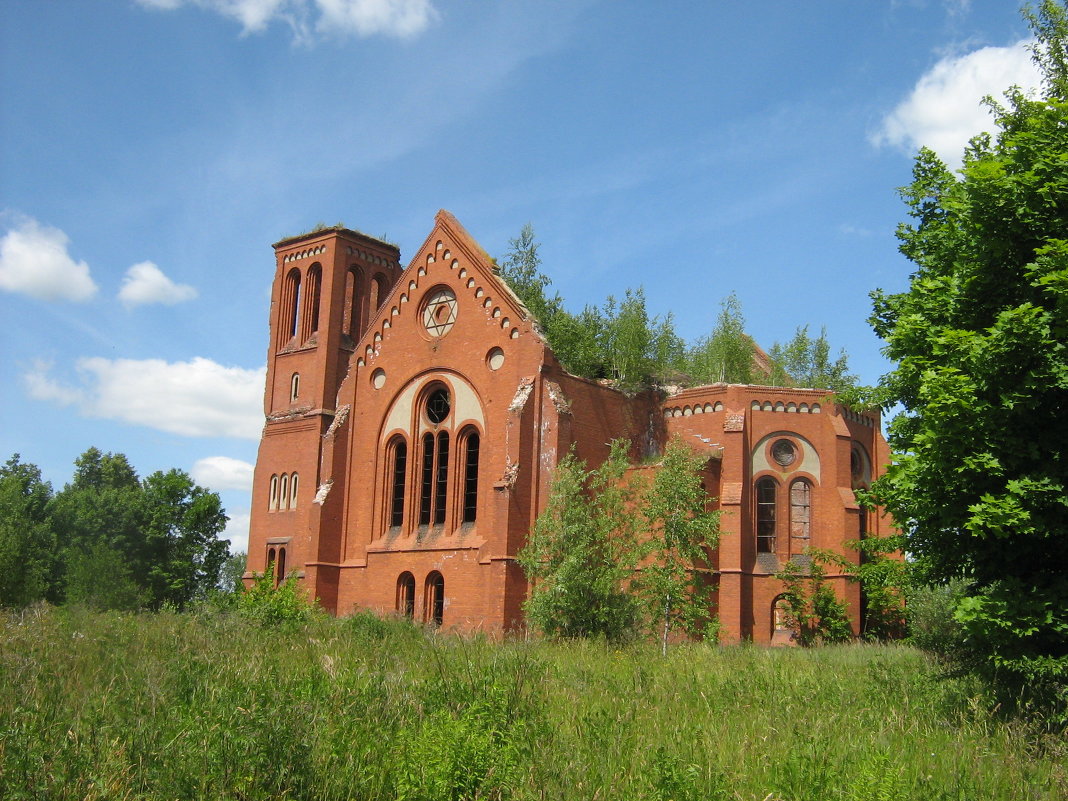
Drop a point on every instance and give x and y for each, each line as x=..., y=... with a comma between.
x=198, y=398
x=34, y=261
x=237, y=530
x=944, y=109
x=223, y=473
x=146, y=283
x=400, y=18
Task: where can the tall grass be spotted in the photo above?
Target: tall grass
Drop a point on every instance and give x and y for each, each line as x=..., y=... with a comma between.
x=167, y=706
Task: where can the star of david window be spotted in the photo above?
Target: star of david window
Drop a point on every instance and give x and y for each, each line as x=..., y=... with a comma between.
x=439, y=314
x=783, y=452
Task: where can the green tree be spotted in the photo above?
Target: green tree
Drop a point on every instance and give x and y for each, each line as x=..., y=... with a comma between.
x=629, y=339
x=981, y=345
x=582, y=552
x=806, y=362
x=725, y=355
x=521, y=270
x=27, y=544
x=680, y=533
x=160, y=534
x=816, y=613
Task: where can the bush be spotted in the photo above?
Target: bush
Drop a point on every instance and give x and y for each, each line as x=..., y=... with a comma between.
x=271, y=605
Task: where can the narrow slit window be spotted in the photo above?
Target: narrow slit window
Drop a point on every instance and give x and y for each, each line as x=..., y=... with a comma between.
x=280, y=573
x=283, y=492
x=291, y=304
x=427, y=487
x=294, y=387
x=435, y=599
x=471, y=478
x=293, y=480
x=441, y=482
x=274, y=493
x=400, y=466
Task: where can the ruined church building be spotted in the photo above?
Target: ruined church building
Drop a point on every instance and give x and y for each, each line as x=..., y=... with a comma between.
x=415, y=416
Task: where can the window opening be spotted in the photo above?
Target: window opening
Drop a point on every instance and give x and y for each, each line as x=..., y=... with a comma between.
x=442, y=480
x=400, y=465
x=271, y=566
x=783, y=452
x=766, y=515
x=283, y=492
x=311, y=314
x=292, y=305
x=471, y=478
x=280, y=573
x=293, y=491
x=351, y=323
x=274, y=493
x=435, y=594
x=294, y=387
x=438, y=405
x=800, y=510
x=406, y=595
x=428, y=480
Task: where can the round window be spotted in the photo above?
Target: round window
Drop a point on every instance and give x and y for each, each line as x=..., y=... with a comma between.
x=439, y=314
x=783, y=452
x=437, y=405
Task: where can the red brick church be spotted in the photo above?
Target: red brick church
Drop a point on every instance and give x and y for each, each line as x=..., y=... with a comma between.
x=415, y=415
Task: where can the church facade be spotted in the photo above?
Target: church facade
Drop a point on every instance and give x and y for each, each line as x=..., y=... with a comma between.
x=414, y=417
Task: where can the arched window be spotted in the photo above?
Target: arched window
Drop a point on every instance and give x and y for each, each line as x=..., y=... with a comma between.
x=280, y=569
x=471, y=442
x=427, y=481
x=441, y=481
x=283, y=492
x=311, y=300
x=290, y=306
x=765, y=514
x=397, y=466
x=781, y=619
x=800, y=515
x=293, y=479
x=274, y=493
x=374, y=296
x=434, y=612
x=294, y=387
x=351, y=321
x=271, y=568
x=406, y=594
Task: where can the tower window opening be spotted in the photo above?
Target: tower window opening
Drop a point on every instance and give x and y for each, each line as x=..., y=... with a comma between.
x=311, y=298
x=294, y=388
x=291, y=305
x=293, y=479
x=283, y=492
x=274, y=494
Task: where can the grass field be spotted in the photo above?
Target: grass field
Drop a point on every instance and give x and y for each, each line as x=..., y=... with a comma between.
x=169, y=706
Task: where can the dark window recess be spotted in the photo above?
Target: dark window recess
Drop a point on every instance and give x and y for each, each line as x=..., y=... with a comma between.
x=436, y=598
x=400, y=466
x=442, y=481
x=406, y=595
x=765, y=515
x=471, y=478
x=426, y=489
x=437, y=405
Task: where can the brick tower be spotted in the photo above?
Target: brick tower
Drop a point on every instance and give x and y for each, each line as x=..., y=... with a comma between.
x=328, y=285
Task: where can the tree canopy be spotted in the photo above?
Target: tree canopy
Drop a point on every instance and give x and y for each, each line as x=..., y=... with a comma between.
x=108, y=539
x=980, y=341
x=621, y=341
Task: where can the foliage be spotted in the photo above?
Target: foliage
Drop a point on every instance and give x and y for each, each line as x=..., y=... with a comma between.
x=27, y=545
x=270, y=605
x=929, y=613
x=727, y=353
x=806, y=362
x=582, y=551
x=816, y=613
x=678, y=537
x=981, y=345
x=160, y=706
x=622, y=342
x=108, y=539
x=611, y=555
x=233, y=569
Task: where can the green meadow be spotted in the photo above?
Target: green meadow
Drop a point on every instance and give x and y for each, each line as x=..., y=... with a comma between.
x=211, y=706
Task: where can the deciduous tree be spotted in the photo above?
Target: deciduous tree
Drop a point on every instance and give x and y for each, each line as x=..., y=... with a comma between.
x=980, y=339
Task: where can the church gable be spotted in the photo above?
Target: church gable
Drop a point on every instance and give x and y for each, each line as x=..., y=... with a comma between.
x=449, y=284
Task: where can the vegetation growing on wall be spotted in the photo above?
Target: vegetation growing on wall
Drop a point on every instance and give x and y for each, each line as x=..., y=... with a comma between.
x=622, y=342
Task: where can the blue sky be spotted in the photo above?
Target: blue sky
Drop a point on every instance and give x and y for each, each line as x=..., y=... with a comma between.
x=152, y=150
